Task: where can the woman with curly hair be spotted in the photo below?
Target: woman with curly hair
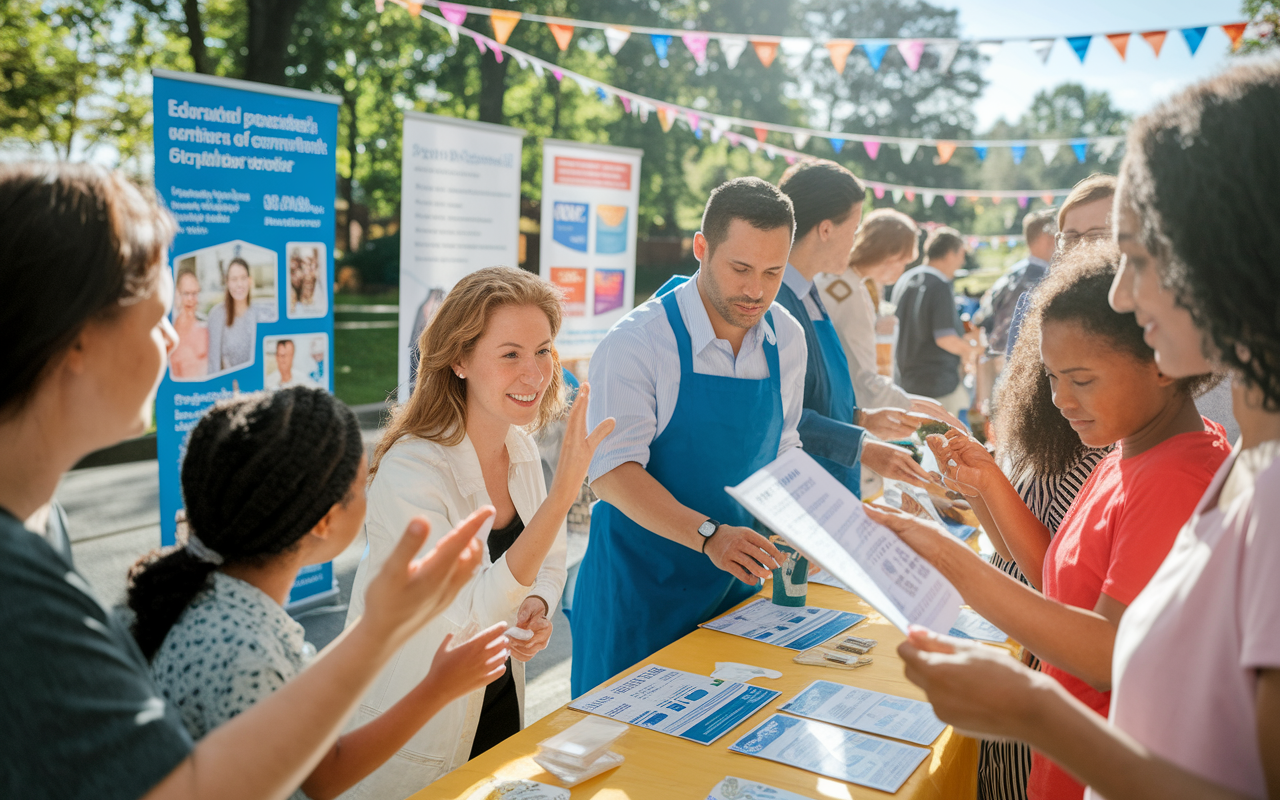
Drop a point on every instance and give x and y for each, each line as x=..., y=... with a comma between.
x=1106, y=384
x=1201, y=719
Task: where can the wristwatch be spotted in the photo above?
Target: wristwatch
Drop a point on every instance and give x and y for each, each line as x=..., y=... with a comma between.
x=706, y=529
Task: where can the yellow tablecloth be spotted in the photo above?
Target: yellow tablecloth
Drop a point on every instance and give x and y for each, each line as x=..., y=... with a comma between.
x=660, y=766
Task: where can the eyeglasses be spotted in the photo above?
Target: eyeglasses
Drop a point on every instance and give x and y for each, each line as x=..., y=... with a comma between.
x=1066, y=239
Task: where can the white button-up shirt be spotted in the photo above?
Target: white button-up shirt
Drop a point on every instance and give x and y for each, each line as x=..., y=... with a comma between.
x=635, y=373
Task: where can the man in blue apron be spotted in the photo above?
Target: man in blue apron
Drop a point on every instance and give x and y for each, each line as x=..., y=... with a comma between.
x=706, y=382
x=827, y=200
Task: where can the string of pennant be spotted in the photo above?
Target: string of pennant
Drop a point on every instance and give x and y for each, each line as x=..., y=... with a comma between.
x=717, y=127
x=795, y=48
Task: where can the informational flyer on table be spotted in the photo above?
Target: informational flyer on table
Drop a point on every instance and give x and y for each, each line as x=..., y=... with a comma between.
x=248, y=171
x=683, y=704
x=590, y=199
x=459, y=212
x=795, y=628
x=834, y=752
x=865, y=710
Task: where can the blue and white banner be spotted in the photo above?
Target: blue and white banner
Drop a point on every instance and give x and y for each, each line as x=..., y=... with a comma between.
x=249, y=172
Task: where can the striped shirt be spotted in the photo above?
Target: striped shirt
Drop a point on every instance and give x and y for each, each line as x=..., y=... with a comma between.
x=635, y=373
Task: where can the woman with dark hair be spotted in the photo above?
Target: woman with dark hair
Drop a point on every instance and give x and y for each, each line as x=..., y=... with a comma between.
x=272, y=483
x=1198, y=719
x=87, y=337
x=233, y=323
x=1106, y=384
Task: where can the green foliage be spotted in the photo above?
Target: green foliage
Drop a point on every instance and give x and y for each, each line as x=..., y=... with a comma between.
x=1266, y=16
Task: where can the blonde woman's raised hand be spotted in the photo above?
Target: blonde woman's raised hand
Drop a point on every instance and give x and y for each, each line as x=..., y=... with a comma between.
x=407, y=592
x=579, y=447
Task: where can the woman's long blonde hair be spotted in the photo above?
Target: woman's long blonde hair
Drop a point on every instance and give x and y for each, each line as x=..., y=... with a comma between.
x=883, y=234
x=437, y=409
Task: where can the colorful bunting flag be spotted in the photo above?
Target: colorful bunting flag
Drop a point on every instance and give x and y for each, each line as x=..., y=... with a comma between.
x=878, y=189
x=839, y=50
x=716, y=133
x=1235, y=33
x=732, y=50
x=990, y=49
x=946, y=54
x=911, y=51
x=1042, y=48
x=479, y=40
x=1018, y=151
x=995, y=200
x=945, y=151
x=949, y=199
x=448, y=26
x=751, y=144
x=791, y=159
x=1080, y=44
x=380, y=5
x=1023, y=200
x=733, y=137
x=795, y=50
x=981, y=150
x=765, y=51
x=1048, y=151
x=563, y=34
x=559, y=75
x=1107, y=148
x=800, y=140
x=415, y=10
x=761, y=134
x=897, y=195
x=1120, y=41
x=872, y=147
x=1047, y=198
x=770, y=151
x=697, y=45
x=875, y=51
x=454, y=13
x=1194, y=37
x=837, y=145
x=908, y=151
x=911, y=195
x=665, y=118
x=615, y=38
x=1156, y=40
x=602, y=94
x=928, y=198
x=503, y=22
x=626, y=103
x=661, y=44
x=1081, y=149
x=537, y=70
x=520, y=59
x=695, y=120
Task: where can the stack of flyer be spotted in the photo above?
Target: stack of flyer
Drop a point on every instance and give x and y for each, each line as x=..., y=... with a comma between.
x=581, y=751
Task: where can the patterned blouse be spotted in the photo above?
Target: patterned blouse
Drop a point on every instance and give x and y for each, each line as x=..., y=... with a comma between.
x=230, y=648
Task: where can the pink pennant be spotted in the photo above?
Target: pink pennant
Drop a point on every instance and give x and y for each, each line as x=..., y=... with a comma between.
x=733, y=138
x=695, y=121
x=559, y=75
x=872, y=148
x=950, y=198
x=626, y=103
x=791, y=159
x=1023, y=200
x=911, y=52
x=475, y=37
x=879, y=190
x=454, y=13
x=697, y=44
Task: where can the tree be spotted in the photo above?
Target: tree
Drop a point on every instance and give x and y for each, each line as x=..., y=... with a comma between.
x=1265, y=15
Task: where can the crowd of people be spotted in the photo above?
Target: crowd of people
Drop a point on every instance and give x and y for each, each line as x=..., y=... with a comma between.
x=1135, y=548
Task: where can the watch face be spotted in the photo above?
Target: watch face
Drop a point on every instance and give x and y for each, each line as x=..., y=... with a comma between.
x=707, y=528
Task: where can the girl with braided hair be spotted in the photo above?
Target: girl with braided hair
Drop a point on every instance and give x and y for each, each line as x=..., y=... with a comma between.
x=84, y=321
x=273, y=482
x=489, y=376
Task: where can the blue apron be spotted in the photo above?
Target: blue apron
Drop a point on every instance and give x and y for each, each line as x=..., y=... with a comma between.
x=638, y=592
x=842, y=400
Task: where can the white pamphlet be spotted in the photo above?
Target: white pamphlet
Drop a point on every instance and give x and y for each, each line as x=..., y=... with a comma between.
x=793, y=627
x=683, y=704
x=972, y=625
x=817, y=515
x=834, y=752
x=739, y=789
x=865, y=710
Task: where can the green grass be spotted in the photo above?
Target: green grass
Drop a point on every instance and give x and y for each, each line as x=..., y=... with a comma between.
x=366, y=369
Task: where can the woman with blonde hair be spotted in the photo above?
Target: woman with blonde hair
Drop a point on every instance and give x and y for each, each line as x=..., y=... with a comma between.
x=886, y=242
x=489, y=377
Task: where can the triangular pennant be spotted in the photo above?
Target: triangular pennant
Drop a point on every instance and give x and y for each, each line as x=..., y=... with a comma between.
x=1047, y=198
x=695, y=120
x=520, y=59
x=791, y=158
x=479, y=40
x=872, y=147
x=1042, y=48
x=450, y=27
x=949, y=199
x=558, y=74
x=1120, y=41
x=800, y=139
x=1017, y=151
x=697, y=133
x=537, y=69
x=761, y=134
x=878, y=189
x=380, y=5
x=495, y=49
x=716, y=133
x=602, y=94
x=661, y=44
x=734, y=137
x=765, y=51
x=1080, y=44
x=770, y=151
x=928, y=198
x=722, y=123
x=1023, y=200
x=875, y=51
x=1107, y=147
x=415, y=9
x=697, y=44
x=837, y=144
x=626, y=103
x=981, y=150
x=897, y=195
x=644, y=112
x=1048, y=151
x=911, y=195
x=615, y=38
x=563, y=34
x=1081, y=149
x=839, y=50
x=454, y=13
x=732, y=50
x=1194, y=37
x=795, y=51
x=911, y=51
x=665, y=119
x=945, y=151
x=1235, y=33
x=946, y=54
x=991, y=48
x=1156, y=40
x=503, y=22
x=908, y=151
x=995, y=200
x=751, y=144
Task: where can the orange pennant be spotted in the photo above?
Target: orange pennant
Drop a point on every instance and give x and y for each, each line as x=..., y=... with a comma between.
x=839, y=50
x=973, y=198
x=1047, y=198
x=996, y=200
x=761, y=134
x=665, y=119
x=414, y=8
x=504, y=22
x=1235, y=33
x=563, y=34
x=945, y=151
x=765, y=51
x=1120, y=41
x=1156, y=40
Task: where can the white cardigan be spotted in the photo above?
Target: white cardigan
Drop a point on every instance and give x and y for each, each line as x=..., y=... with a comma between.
x=854, y=316
x=445, y=484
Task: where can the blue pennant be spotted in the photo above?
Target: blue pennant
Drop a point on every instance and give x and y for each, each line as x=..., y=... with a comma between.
x=1194, y=37
x=601, y=93
x=1080, y=44
x=875, y=53
x=1018, y=151
x=837, y=144
x=981, y=151
x=661, y=42
x=1081, y=149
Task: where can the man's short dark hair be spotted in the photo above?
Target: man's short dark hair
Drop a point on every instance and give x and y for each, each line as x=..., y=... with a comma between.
x=1039, y=223
x=282, y=342
x=820, y=190
x=755, y=201
x=942, y=242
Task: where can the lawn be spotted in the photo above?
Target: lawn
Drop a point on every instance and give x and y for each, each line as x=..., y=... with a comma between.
x=366, y=359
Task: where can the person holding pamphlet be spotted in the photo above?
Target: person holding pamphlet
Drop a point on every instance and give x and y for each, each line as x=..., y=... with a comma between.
x=706, y=382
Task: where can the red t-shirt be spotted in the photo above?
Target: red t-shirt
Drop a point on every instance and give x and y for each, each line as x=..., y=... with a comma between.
x=1114, y=536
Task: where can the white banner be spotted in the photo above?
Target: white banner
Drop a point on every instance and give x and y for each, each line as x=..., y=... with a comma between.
x=590, y=201
x=459, y=212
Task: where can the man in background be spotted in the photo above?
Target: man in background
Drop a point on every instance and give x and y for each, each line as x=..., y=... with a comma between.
x=1038, y=230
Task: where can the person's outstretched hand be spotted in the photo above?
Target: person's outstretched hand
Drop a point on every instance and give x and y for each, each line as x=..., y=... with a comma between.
x=579, y=447
x=893, y=462
x=407, y=593
x=890, y=423
x=458, y=670
x=981, y=690
x=743, y=553
x=932, y=408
